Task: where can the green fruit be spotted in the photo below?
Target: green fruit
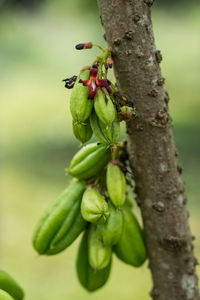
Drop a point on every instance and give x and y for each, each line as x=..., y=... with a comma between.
x=116, y=184
x=94, y=121
x=5, y=296
x=9, y=285
x=104, y=108
x=111, y=231
x=82, y=131
x=76, y=228
x=89, y=161
x=80, y=105
x=89, y=278
x=106, y=134
x=61, y=223
x=111, y=131
x=131, y=247
x=129, y=196
x=99, y=255
x=94, y=207
x=129, y=202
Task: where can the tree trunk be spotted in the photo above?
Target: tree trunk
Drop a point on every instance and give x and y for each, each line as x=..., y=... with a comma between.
x=152, y=153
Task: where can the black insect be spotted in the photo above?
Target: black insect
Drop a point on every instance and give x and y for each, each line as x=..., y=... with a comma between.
x=69, y=82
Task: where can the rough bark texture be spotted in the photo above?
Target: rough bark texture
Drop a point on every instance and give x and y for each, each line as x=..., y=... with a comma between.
x=153, y=157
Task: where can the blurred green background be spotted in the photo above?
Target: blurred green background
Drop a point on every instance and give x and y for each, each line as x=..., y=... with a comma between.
x=37, y=41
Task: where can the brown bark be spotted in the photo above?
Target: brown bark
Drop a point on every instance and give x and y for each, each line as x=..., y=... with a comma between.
x=153, y=157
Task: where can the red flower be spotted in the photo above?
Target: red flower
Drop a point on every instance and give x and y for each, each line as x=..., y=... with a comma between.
x=94, y=82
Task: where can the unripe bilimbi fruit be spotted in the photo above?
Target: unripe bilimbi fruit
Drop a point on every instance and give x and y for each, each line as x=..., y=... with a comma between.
x=99, y=255
x=131, y=247
x=104, y=108
x=82, y=131
x=116, y=184
x=107, y=134
x=94, y=207
x=62, y=222
x=112, y=229
x=80, y=105
x=9, y=285
x=89, y=278
x=89, y=161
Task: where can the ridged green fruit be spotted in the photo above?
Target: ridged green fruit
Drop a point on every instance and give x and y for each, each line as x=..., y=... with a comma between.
x=129, y=202
x=94, y=207
x=78, y=225
x=61, y=223
x=106, y=134
x=82, y=131
x=111, y=231
x=89, y=161
x=129, y=196
x=99, y=255
x=89, y=278
x=9, y=285
x=104, y=108
x=5, y=296
x=131, y=247
x=80, y=105
x=116, y=184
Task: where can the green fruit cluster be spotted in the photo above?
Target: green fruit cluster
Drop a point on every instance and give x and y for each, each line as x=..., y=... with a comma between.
x=9, y=288
x=96, y=115
x=96, y=202
x=100, y=210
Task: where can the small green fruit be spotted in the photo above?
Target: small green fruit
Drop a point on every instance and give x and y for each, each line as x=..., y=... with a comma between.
x=111, y=231
x=80, y=105
x=107, y=134
x=9, y=285
x=116, y=184
x=89, y=278
x=131, y=247
x=104, y=108
x=82, y=131
x=94, y=207
x=89, y=161
x=99, y=254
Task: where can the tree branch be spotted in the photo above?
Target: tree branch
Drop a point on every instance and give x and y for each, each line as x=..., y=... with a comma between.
x=153, y=157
